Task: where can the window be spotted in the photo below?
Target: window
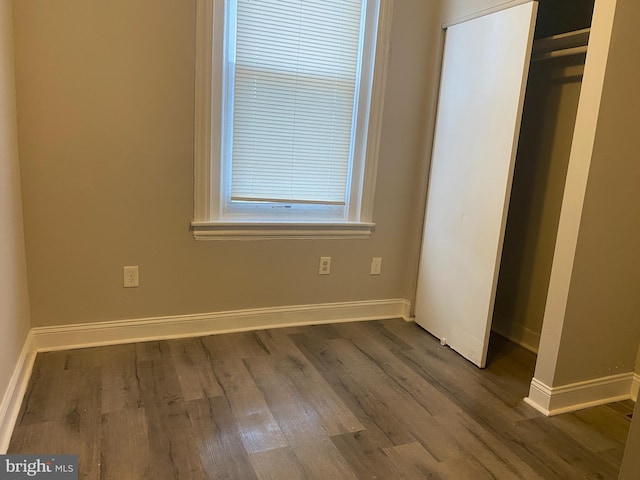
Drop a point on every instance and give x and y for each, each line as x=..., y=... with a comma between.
x=288, y=110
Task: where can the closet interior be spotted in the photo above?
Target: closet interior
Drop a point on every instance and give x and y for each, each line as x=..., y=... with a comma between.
x=551, y=102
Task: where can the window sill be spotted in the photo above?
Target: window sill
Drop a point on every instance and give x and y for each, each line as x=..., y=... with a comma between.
x=281, y=230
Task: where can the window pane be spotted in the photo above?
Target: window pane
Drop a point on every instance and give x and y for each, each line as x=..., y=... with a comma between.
x=295, y=83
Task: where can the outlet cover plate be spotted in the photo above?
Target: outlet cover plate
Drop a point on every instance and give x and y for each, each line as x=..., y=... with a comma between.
x=130, y=273
x=325, y=266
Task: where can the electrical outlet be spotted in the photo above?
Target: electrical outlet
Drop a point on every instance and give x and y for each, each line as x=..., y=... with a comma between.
x=325, y=266
x=130, y=276
x=376, y=265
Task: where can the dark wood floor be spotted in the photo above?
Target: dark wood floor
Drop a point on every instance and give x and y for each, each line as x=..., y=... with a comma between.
x=370, y=400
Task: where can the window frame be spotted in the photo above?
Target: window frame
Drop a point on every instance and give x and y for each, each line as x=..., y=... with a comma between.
x=210, y=221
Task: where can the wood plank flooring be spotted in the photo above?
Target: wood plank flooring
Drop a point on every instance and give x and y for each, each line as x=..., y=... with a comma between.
x=366, y=400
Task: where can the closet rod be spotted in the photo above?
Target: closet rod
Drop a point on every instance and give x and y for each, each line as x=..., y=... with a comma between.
x=577, y=38
x=564, y=52
x=562, y=45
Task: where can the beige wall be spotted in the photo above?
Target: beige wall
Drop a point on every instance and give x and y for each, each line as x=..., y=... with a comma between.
x=457, y=9
x=105, y=100
x=601, y=330
x=14, y=299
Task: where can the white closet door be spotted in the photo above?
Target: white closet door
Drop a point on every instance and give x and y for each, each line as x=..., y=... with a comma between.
x=483, y=82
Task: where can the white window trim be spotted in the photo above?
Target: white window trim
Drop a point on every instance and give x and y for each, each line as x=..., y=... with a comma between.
x=210, y=29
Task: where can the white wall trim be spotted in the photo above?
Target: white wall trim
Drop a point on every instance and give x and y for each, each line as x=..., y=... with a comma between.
x=227, y=230
x=12, y=401
x=376, y=110
x=576, y=396
x=157, y=328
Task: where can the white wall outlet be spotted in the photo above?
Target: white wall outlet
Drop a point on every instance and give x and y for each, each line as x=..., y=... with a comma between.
x=130, y=276
x=325, y=266
x=376, y=265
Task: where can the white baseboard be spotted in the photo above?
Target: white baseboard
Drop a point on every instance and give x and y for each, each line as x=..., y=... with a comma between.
x=146, y=329
x=576, y=396
x=12, y=401
x=518, y=334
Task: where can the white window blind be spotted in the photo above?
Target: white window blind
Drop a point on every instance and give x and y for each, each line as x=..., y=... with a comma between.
x=294, y=72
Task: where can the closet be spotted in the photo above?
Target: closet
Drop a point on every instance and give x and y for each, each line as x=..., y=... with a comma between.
x=492, y=214
x=548, y=120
